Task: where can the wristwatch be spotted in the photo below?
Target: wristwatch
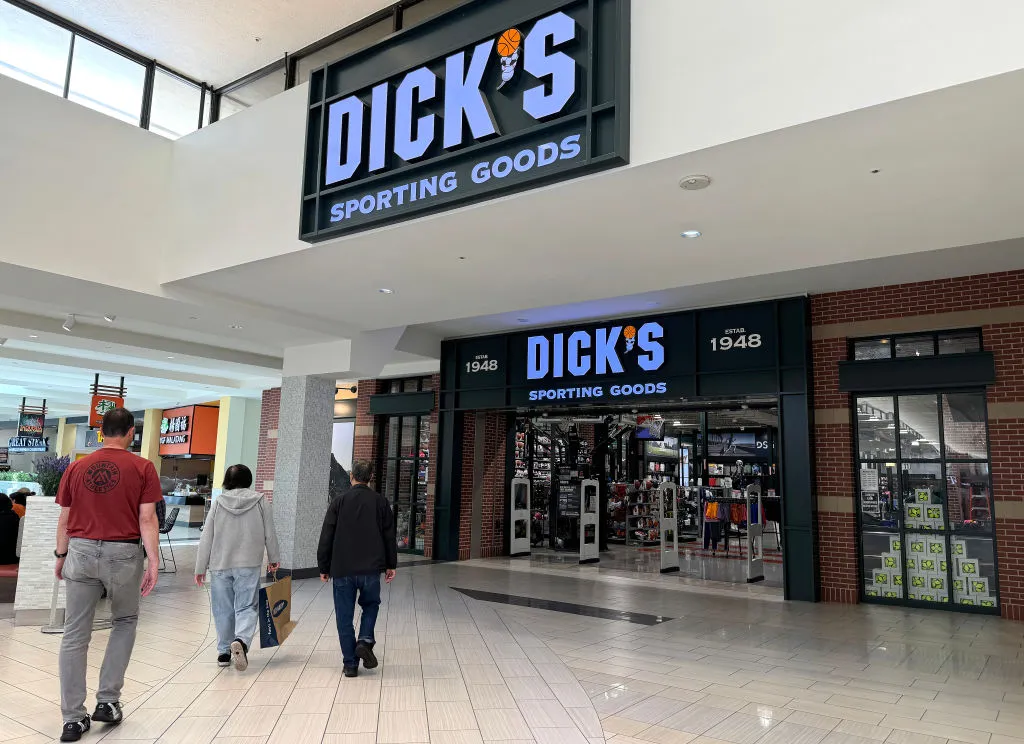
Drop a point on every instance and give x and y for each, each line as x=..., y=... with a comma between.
x=60, y=555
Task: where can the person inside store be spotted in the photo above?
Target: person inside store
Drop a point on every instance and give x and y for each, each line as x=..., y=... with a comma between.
x=238, y=529
x=357, y=545
x=10, y=522
x=108, y=512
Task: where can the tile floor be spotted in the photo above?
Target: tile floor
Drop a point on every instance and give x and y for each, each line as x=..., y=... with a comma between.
x=729, y=666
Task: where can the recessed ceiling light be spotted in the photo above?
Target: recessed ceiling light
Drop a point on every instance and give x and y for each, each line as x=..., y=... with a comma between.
x=694, y=182
x=32, y=335
x=110, y=318
x=193, y=317
x=237, y=327
x=170, y=357
x=690, y=233
x=384, y=290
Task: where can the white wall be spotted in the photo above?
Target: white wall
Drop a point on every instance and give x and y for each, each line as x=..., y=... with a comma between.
x=81, y=194
x=706, y=73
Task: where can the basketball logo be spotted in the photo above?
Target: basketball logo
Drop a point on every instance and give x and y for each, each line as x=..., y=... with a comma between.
x=508, y=47
x=630, y=334
x=509, y=42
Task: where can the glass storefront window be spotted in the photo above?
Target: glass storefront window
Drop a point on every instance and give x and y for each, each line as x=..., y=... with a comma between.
x=106, y=82
x=919, y=427
x=926, y=511
x=405, y=452
x=959, y=342
x=882, y=565
x=970, y=496
x=876, y=419
x=963, y=421
x=175, y=110
x=878, y=348
x=909, y=346
x=33, y=50
x=924, y=497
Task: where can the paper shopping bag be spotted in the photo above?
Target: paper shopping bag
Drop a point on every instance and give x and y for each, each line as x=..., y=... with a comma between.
x=275, y=612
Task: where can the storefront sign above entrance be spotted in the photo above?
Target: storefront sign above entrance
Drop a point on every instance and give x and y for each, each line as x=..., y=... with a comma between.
x=737, y=350
x=502, y=96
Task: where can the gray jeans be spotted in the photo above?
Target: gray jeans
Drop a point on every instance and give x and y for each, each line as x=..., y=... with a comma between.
x=91, y=567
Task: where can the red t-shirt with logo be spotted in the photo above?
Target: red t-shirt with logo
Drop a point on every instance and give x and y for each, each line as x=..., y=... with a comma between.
x=104, y=491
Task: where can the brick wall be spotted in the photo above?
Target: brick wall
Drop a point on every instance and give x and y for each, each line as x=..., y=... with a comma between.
x=492, y=517
x=266, y=458
x=994, y=302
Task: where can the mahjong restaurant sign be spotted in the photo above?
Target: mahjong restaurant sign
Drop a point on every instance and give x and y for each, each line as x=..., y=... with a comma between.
x=493, y=97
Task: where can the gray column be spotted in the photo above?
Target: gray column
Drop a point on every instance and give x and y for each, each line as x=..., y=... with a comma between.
x=303, y=469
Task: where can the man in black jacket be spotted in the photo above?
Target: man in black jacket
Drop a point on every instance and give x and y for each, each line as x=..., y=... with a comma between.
x=357, y=544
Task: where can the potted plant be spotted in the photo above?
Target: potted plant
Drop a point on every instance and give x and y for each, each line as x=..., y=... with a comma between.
x=49, y=470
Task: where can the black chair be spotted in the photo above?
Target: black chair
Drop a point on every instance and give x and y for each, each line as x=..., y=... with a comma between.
x=172, y=517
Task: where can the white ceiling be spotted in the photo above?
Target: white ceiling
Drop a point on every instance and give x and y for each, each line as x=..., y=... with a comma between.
x=215, y=41
x=787, y=201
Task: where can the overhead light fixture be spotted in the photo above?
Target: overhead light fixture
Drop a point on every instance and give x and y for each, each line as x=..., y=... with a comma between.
x=694, y=182
x=69, y=323
x=690, y=234
x=170, y=357
x=237, y=327
x=110, y=318
x=384, y=290
x=32, y=335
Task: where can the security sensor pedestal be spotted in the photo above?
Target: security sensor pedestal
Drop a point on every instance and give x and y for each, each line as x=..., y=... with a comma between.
x=669, y=529
x=519, y=524
x=755, y=534
x=589, y=525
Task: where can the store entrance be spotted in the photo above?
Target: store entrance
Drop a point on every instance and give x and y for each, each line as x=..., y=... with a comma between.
x=720, y=454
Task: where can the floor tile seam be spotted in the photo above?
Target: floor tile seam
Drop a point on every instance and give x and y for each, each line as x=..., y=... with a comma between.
x=504, y=622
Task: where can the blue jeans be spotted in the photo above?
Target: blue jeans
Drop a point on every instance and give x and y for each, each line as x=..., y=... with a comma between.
x=345, y=589
x=234, y=598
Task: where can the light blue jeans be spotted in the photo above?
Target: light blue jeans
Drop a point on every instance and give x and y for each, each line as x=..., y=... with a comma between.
x=234, y=598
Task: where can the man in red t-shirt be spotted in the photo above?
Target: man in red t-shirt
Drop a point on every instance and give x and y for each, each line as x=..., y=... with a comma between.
x=108, y=513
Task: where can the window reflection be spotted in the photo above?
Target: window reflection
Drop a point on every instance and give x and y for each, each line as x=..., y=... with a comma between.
x=106, y=82
x=919, y=427
x=876, y=418
x=963, y=421
x=175, y=110
x=33, y=50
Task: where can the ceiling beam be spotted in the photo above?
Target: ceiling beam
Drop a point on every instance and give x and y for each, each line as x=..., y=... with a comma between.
x=112, y=335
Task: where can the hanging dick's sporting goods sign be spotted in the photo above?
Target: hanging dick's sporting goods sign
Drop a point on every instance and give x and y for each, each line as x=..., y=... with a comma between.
x=493, y=97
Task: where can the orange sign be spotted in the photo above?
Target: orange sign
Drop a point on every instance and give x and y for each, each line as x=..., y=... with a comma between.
x=191, y=430
x=100, y=405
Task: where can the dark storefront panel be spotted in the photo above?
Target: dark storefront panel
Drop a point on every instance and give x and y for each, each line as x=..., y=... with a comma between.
x=760, y=349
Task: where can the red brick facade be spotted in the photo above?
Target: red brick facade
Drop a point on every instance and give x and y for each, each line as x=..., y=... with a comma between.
x=492, y=518
x=994, y=302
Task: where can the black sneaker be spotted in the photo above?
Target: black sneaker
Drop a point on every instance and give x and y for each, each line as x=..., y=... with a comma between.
x=224, y=660
x=73, y=730
x=364, y=651
x=239, y=655
x=108, y=713
x=350, y=671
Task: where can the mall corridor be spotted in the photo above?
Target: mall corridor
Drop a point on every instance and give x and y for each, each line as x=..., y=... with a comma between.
x=485, y=651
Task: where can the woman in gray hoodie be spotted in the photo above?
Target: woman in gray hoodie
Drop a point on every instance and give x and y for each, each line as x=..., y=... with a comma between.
x=238, y=528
